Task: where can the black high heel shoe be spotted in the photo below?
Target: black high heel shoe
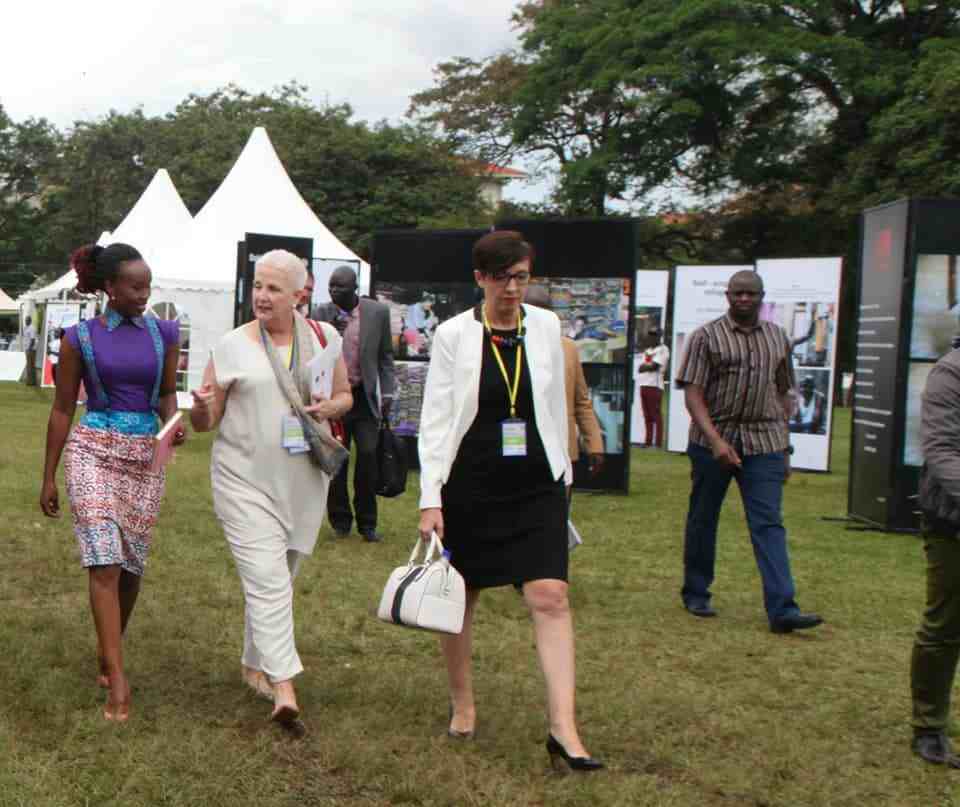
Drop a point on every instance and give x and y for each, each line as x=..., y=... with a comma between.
x=582, y=764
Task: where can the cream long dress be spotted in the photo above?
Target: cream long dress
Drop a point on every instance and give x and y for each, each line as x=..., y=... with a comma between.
x=270, y=503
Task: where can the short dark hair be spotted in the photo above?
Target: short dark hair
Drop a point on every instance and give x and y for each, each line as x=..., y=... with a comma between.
x=496, y=252
x=95, y=265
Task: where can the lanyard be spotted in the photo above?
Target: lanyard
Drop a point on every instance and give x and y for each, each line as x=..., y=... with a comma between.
x=290, y=350
x=511, y=391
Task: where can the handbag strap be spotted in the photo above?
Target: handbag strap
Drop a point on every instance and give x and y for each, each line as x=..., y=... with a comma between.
x=318, y=330
x=434, y=549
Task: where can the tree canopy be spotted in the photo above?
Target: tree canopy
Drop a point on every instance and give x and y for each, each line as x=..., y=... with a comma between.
x=61, y=189
x=716, y=96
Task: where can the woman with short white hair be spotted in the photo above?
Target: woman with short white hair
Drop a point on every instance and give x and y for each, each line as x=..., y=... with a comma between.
x=272, y=461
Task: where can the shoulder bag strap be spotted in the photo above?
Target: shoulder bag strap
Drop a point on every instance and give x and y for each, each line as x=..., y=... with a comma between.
x=157, y=338
x=86, y=350
x=318, y=330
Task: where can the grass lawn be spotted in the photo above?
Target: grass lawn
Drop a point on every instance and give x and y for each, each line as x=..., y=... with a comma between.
x=684, y=711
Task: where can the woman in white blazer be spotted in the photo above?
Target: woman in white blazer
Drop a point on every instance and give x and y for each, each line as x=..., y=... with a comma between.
x=494, y=464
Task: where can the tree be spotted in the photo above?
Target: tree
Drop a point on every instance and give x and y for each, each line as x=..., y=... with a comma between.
x=355, y=177
x=101, y=169
x=27, y=151
x=721, y=96
x=61, y=190
x=479, y=107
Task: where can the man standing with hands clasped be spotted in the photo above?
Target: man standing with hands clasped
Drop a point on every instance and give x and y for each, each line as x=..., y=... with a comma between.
x=737, y=376
x=364, y=325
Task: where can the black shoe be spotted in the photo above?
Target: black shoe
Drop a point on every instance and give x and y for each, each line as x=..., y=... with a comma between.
x=792, y=622
x=935, y=748
x=340, y=532
x=700, y=609
x=582, y=764
x=371, y=536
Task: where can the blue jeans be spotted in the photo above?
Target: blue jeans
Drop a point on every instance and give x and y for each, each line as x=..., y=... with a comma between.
x=761, y=479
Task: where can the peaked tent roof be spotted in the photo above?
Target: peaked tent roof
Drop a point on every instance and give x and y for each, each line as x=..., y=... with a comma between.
x=7, y=303
x=256, y=196
x=158, y=219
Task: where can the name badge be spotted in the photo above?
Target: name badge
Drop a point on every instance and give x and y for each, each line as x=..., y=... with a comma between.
x=292, y=437
x=514, y=438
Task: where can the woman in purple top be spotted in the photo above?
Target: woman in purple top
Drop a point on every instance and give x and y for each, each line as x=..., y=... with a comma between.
x=128, y=365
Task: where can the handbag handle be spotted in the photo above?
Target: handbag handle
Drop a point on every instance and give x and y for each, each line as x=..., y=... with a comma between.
x=436, y=546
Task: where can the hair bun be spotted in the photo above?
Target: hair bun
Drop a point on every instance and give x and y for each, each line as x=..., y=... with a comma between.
x=83, y=261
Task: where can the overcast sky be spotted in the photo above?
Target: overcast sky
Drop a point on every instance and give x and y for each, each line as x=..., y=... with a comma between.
x=68, y=61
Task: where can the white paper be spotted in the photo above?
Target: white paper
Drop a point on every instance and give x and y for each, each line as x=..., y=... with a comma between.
x=321, y=370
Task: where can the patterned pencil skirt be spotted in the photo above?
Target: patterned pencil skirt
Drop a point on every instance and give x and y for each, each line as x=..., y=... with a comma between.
x=114, y=497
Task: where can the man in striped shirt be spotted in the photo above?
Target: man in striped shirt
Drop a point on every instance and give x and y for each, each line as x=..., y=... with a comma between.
x=737, y=376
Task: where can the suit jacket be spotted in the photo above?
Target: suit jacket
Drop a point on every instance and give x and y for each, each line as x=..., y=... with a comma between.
x=376, y=348
x=450, y=396
x=580, y=413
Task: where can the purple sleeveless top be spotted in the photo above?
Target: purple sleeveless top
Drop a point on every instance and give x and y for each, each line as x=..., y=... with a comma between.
x=126, y=360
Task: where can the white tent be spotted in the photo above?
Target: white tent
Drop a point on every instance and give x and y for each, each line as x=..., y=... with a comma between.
x=7, y=304
x=194, y=261
x=257, y=196
x=158, y=219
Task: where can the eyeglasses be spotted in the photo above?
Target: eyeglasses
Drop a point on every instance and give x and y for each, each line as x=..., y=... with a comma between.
x=504, y=279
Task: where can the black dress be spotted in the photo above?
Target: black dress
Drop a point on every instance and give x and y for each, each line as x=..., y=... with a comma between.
x=505, y=518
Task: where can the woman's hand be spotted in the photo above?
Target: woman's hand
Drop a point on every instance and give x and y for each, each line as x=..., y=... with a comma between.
x=180, y=436
x=322, y=408
x=431, y=521
x=203, y=398
x=50, y=499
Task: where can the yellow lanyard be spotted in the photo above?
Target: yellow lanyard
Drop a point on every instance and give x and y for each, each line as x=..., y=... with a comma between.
x=511, y=391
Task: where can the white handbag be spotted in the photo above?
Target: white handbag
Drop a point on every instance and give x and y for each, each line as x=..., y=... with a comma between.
x=430, y=595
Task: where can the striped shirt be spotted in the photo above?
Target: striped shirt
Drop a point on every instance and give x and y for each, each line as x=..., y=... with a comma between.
x=743, y=372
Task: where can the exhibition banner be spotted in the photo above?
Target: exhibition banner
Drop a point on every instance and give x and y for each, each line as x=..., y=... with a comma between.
x=802, y=296
x=587, y=268
x=59, y=316
x=592, y=312
x=699, y=296
x=12, y=364
x=936, y=320
x=649, y=309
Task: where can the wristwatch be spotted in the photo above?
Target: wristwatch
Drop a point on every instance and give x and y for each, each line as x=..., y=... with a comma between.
x=790, y=450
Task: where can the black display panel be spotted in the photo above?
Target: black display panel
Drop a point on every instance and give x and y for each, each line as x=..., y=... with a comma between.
x=589, y=266
x=249, y=252
x=873, y=437
x=908, y=314
x=425, y=277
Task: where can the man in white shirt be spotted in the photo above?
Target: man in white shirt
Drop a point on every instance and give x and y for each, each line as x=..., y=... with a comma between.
x=30, y=348
x=653, y=362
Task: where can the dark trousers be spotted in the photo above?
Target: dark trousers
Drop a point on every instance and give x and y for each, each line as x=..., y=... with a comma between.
x=31, y=369
x=760, y=479
x=650, y=398
x=937, y=646
x=362, y=426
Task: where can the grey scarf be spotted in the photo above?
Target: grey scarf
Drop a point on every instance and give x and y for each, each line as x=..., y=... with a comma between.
x=325, y=451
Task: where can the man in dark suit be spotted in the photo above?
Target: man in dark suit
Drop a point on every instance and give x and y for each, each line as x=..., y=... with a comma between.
x=364, y=325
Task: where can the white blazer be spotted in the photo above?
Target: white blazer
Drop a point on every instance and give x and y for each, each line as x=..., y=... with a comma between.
x=452, y=389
